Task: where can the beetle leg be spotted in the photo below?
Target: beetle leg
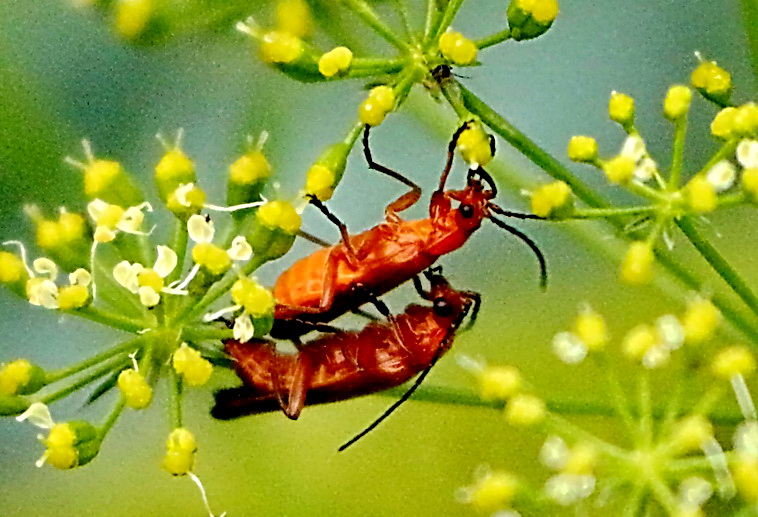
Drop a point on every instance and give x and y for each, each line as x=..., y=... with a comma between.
x=406, y=200
x=301, y=380
x=335, y=220
x=451, y=154
x=384, y=311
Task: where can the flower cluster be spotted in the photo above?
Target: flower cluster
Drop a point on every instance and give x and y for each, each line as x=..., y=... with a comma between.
x=669, y=457
x=121, y=274
x=727, y=179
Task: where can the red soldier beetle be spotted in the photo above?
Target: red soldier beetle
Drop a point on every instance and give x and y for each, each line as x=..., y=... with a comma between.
x=333, y=280
x=344, y=364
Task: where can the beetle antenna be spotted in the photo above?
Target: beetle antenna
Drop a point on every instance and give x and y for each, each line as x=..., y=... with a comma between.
x=388, y=411
x=508, y=213
x=477, y=302
x=529, y=242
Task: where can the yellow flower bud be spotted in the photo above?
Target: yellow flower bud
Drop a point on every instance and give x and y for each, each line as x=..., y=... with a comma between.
x=173, y=169
x=547, y=200
x=72, y=297
x=749, y=183
x=691, y=432
x=150, y=278
x=677, y=102
x=499, y=382
x=700, y=321
x=701, y=195
x=581, y=460
x=249, y=168
x=582, y=149
x=636, y=267
x=279, y=214
x=619, y=169
x=99, y=176
x=256, y=299
x=136, y=391
x=746, y=119
x=458, y=48
x=745, y=474
x=280, y=47
x=723, y=125
x=71, y=444
x=712, y=81
x=319, y=182
x=493, y=491
x=12, y=269
x=20, y=377
x=335, y=61
x=191, y=365
x=132, y=17
x=293, y=17
x=380, y=101
x=734, y=360
x=524, y=410
x=638, y=342
x=590, y=327
x=531, y=18
x=180, y=452
x=212, y=258
x=621, y=109
x=474, y=145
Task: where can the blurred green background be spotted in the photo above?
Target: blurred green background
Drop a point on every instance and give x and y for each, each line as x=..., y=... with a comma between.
x=64, y=75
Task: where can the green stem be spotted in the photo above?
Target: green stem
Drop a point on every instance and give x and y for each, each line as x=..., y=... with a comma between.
x=632, y=507
x=605, y=213
x=402, y=11
x=677, y=154
x=112, y=417
x=528, y=148
x=719, y=263
x=750, y=22
x=203, y=333
x=368, y=67
x=493, y=39
x=175, y=398
x=467, y=398
x=732, y=200
x=122, y=348
x=84, y=381
x=370, y=18
x=663, y=494
x=106, y=318
x=179, y=245
x=432, y=15
x=444, y=22
x=646, y=412
x=563, y=427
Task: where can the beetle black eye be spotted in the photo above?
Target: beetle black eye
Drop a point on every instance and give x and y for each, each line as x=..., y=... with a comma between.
x=467, y=211
x=442, y=307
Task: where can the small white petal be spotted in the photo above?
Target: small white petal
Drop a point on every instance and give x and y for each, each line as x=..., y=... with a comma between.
x=722, y=175
x=646, y=169
x=747, y=154
x=554, y=453
x=243, y=328
x=182, y=192
x=104, y=234
x=567, y=489
x=569, y=348
x=671, y=331
x=656, y=357
x=44, y=294
x=148, y=297
x=200, y=228
x=634, y=148
x=45, y=267
x=38, y=414
x=240, y=249
x=95, y=209
x=131, y=221
x=126, y=275
x=166, y=261
x=746, y=439
x=694, y=491
x=80, y=277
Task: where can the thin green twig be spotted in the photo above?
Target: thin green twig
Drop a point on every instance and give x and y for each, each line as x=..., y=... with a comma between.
x=493, y=39
x=370, y=18
x=121, y=348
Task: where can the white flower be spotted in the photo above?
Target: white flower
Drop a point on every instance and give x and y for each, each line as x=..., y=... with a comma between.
x=722, y=175
x=243, y=328
x=200, y=228
x=240, y=249
x=569, y=348
x=747, y=154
